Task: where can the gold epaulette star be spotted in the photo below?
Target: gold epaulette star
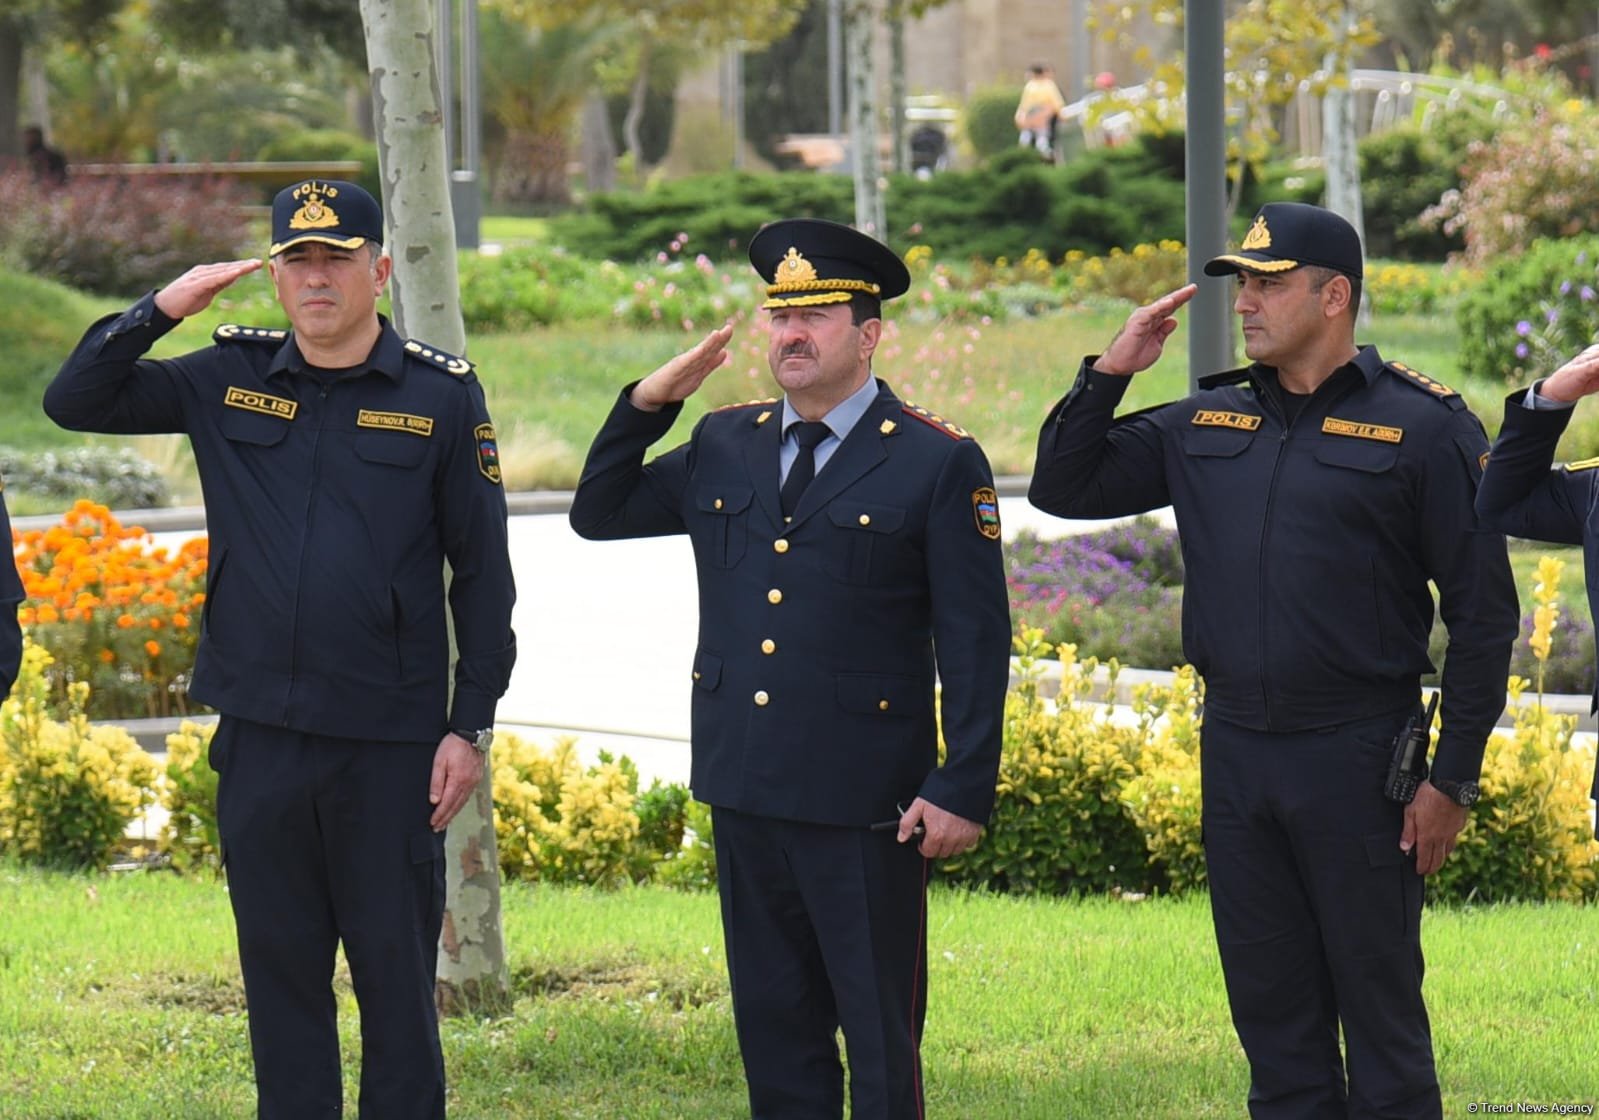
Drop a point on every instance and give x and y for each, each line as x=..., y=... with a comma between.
x=1421, y=380
x=448, y=362
x=954, y=431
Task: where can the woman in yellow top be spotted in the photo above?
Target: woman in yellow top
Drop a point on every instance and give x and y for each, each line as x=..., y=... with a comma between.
x=1038, y=110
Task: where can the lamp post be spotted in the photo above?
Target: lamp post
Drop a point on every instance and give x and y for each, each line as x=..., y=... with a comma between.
x=463, y=135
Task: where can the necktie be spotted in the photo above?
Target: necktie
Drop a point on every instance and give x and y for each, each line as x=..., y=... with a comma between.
x=807, y=433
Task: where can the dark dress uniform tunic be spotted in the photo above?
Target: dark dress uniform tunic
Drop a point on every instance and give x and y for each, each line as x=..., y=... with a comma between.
x=1309, y=541
x=11, y=594
x=820, y=641
x=1522, y=496
x=332, y=502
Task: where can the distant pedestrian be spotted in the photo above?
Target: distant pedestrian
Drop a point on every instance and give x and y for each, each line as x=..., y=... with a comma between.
x=47, y=166
x=1038, y=111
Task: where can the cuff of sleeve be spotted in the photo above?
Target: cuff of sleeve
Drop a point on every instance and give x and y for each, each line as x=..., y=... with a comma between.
x=472, y=711
x=1457, y=760
x=1536, y=401
x=1523, y=415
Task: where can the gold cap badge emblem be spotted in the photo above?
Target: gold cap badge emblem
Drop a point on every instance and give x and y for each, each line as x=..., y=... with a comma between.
x=1259, y=237
x=314, y=212
x=794, y=268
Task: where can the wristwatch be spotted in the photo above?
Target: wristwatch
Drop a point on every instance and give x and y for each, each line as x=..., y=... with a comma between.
x=1464, y=794
x=480, y=740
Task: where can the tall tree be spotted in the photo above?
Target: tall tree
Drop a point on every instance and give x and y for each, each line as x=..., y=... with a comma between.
x=652, y=27
x=30, y=25
x=409, y=116
x=860, y=82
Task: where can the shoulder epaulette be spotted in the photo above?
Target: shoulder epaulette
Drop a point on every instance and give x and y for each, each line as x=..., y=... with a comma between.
x=1226, y=377
x=232, y=332
x=761, y=418
x=1582, y=465
x=449, y=363
x=953, y=431
x=1422, y=381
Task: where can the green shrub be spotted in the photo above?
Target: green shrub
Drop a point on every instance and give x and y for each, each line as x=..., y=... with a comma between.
x=1059, y=824
x=989, y=121
x=314, y=144
x=1163, y=797
x=1530, y=835
x=691, y=866
x=1407, y=170
x=189, y=838
x=557, y=821
x=117, y=477
x=119, y=236
x=68, y=790
x=1531, y=312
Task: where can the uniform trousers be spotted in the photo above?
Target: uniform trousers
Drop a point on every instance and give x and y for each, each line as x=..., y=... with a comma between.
x=327, y=840
x=1317, y=916
x=825, y=928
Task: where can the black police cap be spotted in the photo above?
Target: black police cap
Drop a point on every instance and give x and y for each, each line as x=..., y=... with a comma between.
x=808, y=261
x=1287, y=235
x=325, y=210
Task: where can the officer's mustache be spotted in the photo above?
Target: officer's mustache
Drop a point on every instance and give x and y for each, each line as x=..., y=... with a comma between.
x=796, y=350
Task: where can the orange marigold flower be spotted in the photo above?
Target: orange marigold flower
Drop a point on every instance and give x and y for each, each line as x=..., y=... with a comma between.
x=180, y=621
x=48, y=614
x=156, y=624
x=153, y=648
x=107, y=656
x=124, y=621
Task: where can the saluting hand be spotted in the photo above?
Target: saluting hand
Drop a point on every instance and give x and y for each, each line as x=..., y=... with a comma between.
x=1432, y=822
x=1576, y=379
x=679, y=378
x=457, y=769
x=195, y=289
x=946, y=834
x=1139, y=343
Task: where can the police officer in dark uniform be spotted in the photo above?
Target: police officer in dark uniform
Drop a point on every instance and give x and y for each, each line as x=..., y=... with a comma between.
x=847, y=549
x=11, y=594
x=1316, y=491
x=342, y=466
x=1522, y=495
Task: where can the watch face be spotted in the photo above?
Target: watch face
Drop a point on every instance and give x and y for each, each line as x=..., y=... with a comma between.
x=1467, y=793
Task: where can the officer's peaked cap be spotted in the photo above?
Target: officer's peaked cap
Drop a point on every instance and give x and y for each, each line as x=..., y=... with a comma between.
x=808, y=261
x=1288, y=235
x=325, y=210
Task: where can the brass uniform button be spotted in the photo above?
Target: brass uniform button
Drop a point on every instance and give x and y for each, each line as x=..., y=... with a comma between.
x=761, y=699
x=768, y=646
x=882, y=705
x=780, y=545
x=774, y=596
x=718, y=503
x=865, y=519
x=696, y=674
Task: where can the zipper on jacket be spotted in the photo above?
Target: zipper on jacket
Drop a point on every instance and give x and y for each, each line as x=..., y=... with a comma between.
x=305, y=542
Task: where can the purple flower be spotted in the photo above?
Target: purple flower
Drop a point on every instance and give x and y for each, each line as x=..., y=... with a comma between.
x=1565, y=287
x=1521, y=350
x=1551, y=315
x=1586, y=294
x=1523, y=328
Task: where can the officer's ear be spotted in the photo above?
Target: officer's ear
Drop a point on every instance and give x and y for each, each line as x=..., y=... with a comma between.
x=382, y=266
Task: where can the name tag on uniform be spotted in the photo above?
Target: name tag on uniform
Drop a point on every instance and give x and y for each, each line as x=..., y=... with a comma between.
x=395, y=422
x=1210, y=418
x=264, y=403
x=1357, y=430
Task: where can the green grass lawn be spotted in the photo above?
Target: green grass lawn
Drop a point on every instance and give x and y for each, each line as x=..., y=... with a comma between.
x=119, y=999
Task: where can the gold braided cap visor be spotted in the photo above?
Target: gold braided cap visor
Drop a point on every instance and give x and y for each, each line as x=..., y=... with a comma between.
x=811, y=293
x=336, y=242
x=1252, y=265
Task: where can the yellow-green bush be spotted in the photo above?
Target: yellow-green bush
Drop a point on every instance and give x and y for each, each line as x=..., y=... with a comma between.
x=189, y=838
x=1163, y=797
x=1059, y=825
x=558, y=821
x=68, y=790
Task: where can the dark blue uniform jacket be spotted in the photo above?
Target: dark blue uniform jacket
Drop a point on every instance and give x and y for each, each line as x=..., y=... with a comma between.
x=1308, y=546
x=331, y=508
x=1522, y=496
x=10, y=595
x=814, y=676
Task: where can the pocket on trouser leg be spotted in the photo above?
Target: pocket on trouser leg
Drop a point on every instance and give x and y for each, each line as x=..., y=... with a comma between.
x=1387, y=860
x=427, y=875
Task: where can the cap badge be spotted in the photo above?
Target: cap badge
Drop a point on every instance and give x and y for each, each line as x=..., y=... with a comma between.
x=1259, y=237
x=314, y=213
x=795, y=269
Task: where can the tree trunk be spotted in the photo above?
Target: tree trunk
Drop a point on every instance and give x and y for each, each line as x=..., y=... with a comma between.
x=409, y=122
x=531, y=167
x=1340, y=158
x=11, y=31
x=861, y=80
x=599, y=146
x=634, y=120
x=896, y=89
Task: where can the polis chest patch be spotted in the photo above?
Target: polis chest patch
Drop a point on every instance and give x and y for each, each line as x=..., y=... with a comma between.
x=1211, y=418
x=394, y=422
x=253, y=401
x=1359, y=430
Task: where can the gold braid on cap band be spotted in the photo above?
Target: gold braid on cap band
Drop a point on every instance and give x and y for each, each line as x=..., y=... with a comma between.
x=774, y=302
x=823, y=285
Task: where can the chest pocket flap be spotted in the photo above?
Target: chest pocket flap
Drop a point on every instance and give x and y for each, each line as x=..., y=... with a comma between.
x=724, y=500
x=866, y=517
x=393, y=449
x=1218, y=443
x=241, y=426
x=1357, y=455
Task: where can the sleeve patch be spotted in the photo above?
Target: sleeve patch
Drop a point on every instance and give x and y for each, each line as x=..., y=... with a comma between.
x=488, y=452
x=985, y=509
